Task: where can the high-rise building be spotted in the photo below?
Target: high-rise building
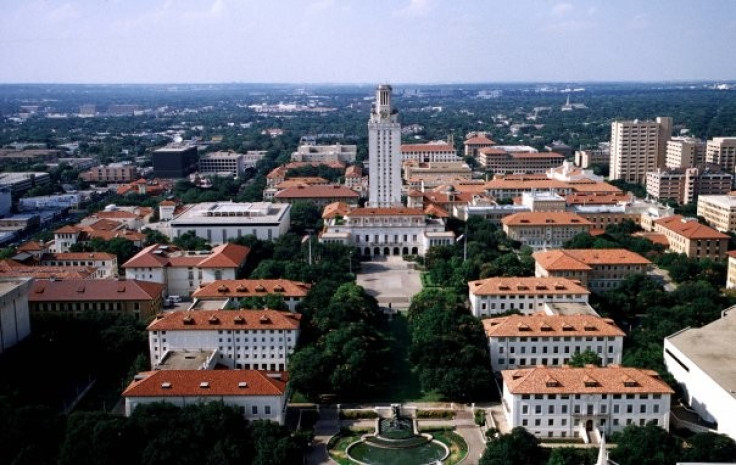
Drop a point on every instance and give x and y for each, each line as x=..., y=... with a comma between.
x=722, y=152
x=384, y=152
x=638, y=147
x=177, y=160
x=685, y=152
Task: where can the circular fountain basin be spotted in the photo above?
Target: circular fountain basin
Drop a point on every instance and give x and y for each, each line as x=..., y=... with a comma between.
x=371, y=454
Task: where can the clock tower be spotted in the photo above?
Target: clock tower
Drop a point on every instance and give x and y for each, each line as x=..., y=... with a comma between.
x=384, y=152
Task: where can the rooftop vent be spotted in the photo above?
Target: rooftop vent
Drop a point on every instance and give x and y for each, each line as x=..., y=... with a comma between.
x=260, y=288
x=278, y=288
x=222, y=288
x=188, y=320
x=241, y=288
x=166, y=385
x=214, y=320
x=264, y=319
x=204, y=385
x=242, y=385
x=239, y=320
x=545, y=327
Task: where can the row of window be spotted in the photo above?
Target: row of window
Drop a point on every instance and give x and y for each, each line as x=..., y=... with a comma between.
x=602, y=422
x=544, y=361
x=590, y=410
x=555, y=349
x=578, y=396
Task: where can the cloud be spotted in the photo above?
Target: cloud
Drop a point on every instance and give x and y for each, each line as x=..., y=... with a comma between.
x=415, y=8
x=561, y=9
x=218, y=6
x=568, y=26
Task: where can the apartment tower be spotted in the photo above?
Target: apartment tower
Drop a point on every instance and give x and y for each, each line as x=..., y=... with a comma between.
x=638, y=147
x=384, y=152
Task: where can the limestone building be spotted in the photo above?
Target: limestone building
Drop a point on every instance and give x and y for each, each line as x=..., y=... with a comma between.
x=638, y=147
x=384, y=152
x=722, y=152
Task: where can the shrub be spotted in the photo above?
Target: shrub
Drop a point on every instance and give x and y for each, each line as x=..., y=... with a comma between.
x=436, y=414
x=480, y=417
x=357, y=414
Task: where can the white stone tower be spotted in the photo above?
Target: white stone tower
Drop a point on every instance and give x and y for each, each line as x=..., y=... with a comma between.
x=384, y=152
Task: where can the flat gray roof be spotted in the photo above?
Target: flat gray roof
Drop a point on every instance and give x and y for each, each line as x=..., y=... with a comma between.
x=711, y=349
x=570, y=308
x=185, y=359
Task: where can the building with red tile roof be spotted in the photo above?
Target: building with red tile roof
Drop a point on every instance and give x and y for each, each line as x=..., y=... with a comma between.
x=182, y=272
x=320, y=195
x=259, y=395
x=12, y=269
x=528, y=295
x=566, y=402
x=599, y=270
x=518, y=341
x=688, y=236
x=257, y=339
x=233, y=290
x=544, y=230
x=140, y=299
x=474, y=144
x=439, y=151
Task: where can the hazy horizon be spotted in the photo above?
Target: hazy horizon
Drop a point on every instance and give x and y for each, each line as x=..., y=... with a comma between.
x=334, y=42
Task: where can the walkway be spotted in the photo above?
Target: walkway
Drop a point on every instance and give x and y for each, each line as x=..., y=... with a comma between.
x=327, y=426
x=390, y=280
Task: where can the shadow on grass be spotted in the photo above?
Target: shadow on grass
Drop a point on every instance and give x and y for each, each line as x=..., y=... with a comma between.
x=403, y=383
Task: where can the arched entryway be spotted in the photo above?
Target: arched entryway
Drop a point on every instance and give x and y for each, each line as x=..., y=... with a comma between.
x=376, y=251
x=386, y=251
x=405, y=251
x=367, y=252
x=396, y=251
x=414, y=251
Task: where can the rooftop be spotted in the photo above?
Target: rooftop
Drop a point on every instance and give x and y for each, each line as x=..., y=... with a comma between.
x=711, y=349
x=316, y=191
x=74, y=290
x=207, y=383
x=232, y=213
x=690, y=228
x=252, y=287
x=588, y=380
x=544, y=325
x=582, y=259
x=225, y=319
x=545, y=218
x=526, y=286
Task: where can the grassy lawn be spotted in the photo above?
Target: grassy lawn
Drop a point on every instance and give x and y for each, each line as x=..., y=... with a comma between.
x=403, y=385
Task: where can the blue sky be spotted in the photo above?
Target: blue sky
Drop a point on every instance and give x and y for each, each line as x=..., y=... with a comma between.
x=365, y=41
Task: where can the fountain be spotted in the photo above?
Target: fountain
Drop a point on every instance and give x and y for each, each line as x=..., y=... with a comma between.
x=397, y=441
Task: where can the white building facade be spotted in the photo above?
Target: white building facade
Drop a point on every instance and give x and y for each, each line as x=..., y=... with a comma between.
x=245, y=339
x=182, y=272
x=703, y=362
x=388, y=231
x=520, y=341
x=258, y=395
x=568, y=402
x=219, y=222
x=15, y=323
x=528, y=295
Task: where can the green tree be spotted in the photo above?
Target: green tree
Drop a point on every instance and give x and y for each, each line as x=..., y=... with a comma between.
x=709, y=447
x=661, y=448
x=190, y=241
x=587, y=357
x=305, y=216
x=519, y=447
x=572, y=456
x=154, y=237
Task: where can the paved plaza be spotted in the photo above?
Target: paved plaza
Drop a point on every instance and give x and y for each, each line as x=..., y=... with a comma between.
x=391, y=280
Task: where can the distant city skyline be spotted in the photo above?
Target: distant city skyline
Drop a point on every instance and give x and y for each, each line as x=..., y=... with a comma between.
x=353, y=41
